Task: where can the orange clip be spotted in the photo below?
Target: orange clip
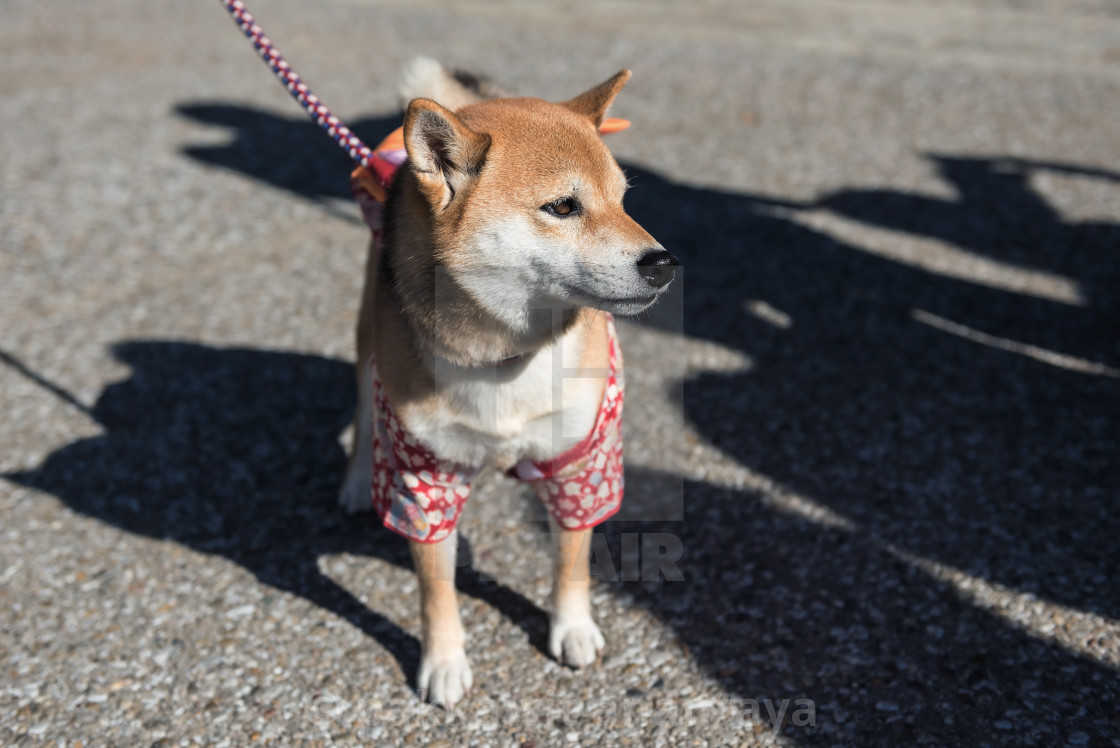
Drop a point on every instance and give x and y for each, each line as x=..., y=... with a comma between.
x=613, y=124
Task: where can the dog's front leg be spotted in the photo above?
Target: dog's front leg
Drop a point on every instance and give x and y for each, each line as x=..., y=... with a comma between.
x=573, y=637
x=445, y=675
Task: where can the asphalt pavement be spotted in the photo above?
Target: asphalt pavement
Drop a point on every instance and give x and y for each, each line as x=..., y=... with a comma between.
x=871, y=437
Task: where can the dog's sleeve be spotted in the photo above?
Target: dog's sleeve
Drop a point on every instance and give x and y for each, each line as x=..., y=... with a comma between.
x=415, y=494
x=583, y=487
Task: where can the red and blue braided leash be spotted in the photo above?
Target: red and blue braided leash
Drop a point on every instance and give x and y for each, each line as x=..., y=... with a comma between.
x=315, y=109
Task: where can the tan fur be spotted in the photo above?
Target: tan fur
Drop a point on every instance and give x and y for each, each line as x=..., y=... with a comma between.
x=458, y=288
x=593, y=104
x=573, y=636
x=536, y=150
x=444, y=671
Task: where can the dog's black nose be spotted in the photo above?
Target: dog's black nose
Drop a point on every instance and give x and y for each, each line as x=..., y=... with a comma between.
x=657, y=267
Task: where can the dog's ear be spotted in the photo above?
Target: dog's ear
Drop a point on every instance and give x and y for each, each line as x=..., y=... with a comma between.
x=593, y=104
x=443, y=153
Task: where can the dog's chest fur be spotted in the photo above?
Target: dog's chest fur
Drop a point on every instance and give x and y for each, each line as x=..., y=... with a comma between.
x=495, y=418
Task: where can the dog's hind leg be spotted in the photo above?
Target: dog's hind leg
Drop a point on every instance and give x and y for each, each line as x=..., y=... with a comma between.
x=445, y=674
x=573, y=637
x=355, y=493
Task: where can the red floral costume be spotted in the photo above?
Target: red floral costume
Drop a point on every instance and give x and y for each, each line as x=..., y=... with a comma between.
x=421, y=497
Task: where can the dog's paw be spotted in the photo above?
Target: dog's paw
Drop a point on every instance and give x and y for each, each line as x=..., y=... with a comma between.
x=575, y=642
x=355, y=496
x=445, y=680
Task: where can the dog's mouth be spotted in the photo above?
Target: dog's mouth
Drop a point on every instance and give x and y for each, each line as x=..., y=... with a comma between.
x=619, y=304
x=626, y=300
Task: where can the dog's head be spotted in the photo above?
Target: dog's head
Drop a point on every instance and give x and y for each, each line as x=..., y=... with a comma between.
x=525, y=206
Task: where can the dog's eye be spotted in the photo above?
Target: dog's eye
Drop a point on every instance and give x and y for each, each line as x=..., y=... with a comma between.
x=562, y=208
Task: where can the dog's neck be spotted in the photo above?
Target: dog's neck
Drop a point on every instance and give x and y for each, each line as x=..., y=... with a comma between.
x=447, y=319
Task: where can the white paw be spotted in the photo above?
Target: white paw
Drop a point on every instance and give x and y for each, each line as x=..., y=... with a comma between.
x=444, y=680
x=355, y=495
x=575, y=642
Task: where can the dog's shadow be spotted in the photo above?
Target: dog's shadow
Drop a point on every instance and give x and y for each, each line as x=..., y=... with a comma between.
x=235, y=452
x=291, y=154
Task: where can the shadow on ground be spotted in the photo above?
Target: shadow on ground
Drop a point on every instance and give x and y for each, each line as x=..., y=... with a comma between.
x=957, y=449
x=235, y=452
x=287, y=153
x=934, y=445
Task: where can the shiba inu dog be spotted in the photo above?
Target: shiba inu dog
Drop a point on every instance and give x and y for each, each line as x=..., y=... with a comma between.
x=485, y=338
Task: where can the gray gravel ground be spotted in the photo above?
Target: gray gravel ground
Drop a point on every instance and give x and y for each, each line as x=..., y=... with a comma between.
x=879, y=415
